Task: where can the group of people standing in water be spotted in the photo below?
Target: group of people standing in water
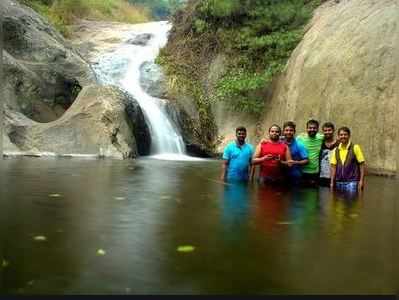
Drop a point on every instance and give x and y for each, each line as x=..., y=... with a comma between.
x=310, y=159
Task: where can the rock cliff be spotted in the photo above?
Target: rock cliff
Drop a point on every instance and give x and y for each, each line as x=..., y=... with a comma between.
x=345, y=70
x=43, y=74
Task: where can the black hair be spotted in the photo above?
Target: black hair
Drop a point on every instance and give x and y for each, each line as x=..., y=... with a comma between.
x=345, y=129
x=289, y=124
x=241, y=128
x=312, y=121
x=328, y=125
x=275, y=125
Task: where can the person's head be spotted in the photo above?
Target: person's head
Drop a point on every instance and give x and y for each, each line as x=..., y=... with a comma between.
x=328, y=130
x=312, y=127
x=289, y=129
x=241, y=134
x=344, y=135
x=274, y=132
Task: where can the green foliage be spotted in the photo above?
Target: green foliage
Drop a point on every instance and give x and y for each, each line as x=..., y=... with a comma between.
x=160, y=9
x=220, y=8
x=241, y=88
x=62, y=13
x=258, y=36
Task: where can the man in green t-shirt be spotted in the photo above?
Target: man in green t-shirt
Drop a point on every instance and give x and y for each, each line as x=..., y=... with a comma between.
x=312, y=140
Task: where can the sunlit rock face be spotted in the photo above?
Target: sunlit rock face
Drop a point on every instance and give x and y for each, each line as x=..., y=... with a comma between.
x=42, y=73
x=103, y=121
x=345, y=70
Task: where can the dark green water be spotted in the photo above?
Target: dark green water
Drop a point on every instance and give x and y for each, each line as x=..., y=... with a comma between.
x=248, y=240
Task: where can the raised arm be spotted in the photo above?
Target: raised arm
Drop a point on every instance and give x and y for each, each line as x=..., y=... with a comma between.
x=361, y=180
x=256, y=159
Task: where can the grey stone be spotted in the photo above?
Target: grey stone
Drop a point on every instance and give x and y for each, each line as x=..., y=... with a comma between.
x=43, y=74
x=140, y=39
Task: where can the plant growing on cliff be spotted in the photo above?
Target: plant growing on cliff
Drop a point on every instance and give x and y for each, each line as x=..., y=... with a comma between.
x=257, y=36
x=62, y=13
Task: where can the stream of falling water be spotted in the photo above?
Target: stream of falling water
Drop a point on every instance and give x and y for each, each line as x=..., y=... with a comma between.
x=122, y=68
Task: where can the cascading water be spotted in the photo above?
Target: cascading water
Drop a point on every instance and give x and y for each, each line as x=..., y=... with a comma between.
x=122, y=68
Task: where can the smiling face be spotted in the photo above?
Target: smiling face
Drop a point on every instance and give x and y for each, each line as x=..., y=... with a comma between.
x=274, y=133
x=312, y=129
x=289, y=133
x=241, y=135
x=343, y=137
x=328, y=133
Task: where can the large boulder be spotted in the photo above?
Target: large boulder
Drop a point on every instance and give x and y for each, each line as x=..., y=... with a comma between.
x=42, y=73
x=345, y=70
x=103, y=121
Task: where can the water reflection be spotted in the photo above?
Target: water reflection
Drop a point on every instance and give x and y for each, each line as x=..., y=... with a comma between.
x=235, y=211
x=304, y=213
x=247, y=239
x=271, y=208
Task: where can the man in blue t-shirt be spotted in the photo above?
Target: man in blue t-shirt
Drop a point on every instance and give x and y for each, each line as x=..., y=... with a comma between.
x=298, y=151
x=237, y=158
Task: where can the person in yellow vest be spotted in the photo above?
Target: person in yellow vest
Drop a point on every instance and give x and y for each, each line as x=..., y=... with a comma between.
x=347, y=164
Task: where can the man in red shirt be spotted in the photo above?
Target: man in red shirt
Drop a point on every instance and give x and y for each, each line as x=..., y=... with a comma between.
x=272, y=155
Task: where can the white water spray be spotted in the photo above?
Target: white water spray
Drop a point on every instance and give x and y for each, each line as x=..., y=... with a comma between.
x=122, y=68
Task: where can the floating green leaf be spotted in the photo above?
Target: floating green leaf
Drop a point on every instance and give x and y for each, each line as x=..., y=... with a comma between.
x=55, y=195
x=101, y=252
x=285, y=223
x=185, y=248
x=4, y=263
x=40, y=238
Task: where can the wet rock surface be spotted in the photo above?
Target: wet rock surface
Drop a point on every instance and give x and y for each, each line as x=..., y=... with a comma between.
x=140, y=39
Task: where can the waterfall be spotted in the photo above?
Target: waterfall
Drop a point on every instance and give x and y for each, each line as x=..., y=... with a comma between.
x=122, y=68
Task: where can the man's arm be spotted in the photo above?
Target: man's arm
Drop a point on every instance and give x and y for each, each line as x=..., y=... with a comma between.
x=360, y=159
x=225, y=163
x=224, y=169
x=301, y=162
x=361, y=180
x=257, y=159
x=288, y=158
x=304, y=155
